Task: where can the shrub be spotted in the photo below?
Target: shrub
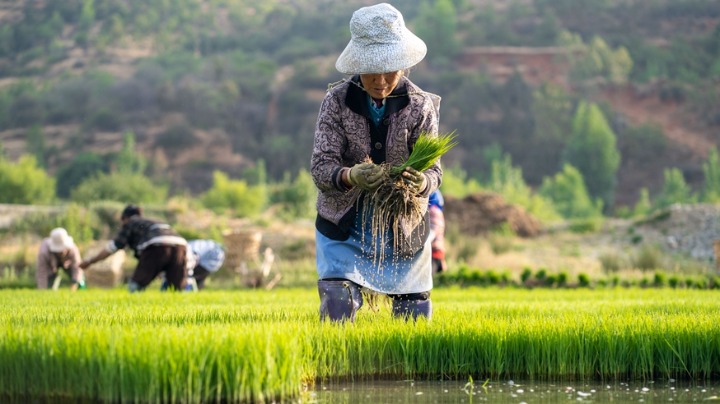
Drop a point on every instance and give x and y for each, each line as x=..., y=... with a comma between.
x=675, y=189
x=500, y=244
x=175, y=139
x=13, y=277
x=583, y=280
x=466, y=248
x=26, y=110
x=492, y=277
x=79, y=222
x=125, y=188
x=477, y=278
x=234, y=195
x=701, y=283
x=562, y=279
x=659, y=280
x=525, y=275
x=611, y=262
x=38, y=223
x=25, y=182
x=587, y=225
x=296, y=197
x=569, y=195
x=550, y=281
x=106, y=120
x=83, y=166
x=648, y=258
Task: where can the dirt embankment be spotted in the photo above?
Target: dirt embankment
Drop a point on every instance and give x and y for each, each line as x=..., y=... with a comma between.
x=477, y=214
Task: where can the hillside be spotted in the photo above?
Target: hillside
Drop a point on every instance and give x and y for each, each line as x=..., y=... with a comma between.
x=634, y=104
x=206, y=86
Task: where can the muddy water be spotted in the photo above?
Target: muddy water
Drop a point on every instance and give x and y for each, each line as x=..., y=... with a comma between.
x=377, y=392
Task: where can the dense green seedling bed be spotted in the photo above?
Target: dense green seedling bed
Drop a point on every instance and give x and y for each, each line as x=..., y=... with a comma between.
x=237, y=346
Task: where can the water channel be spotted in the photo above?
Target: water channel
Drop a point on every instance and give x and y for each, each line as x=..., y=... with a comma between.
x=505, y=392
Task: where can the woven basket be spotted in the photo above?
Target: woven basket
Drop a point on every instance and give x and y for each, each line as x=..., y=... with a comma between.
x=107, y=273
x=242, y=247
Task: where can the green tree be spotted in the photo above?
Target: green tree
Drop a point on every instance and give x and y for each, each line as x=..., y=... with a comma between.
x=35, y=140
x=234, y=196
x=87, y=15
x=552, y=127
x=125, y=188
x=508, y=181
x=592, y=150
x=117, y=27
x=6, y=40
x=256, y=175
x=85, y=165
x=436, y=24
x=85, y=23
x=297, y=196
x=598, y=59
x=128, y=161
x=643, y=206
x=569, y=195
x=614, y=65
x=78, y=221
x=455, y=182
x=25, y=182
x=675, y=189
x=257, y=178
x=711, y=172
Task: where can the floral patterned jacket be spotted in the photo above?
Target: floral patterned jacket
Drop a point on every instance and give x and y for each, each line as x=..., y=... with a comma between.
x=345, y=136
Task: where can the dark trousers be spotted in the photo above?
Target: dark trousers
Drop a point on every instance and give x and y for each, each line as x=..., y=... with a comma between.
x=200, y=274
x=51, y=278
x=158, y=258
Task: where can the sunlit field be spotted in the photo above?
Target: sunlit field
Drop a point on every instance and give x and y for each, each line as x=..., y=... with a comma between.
x=235, y=346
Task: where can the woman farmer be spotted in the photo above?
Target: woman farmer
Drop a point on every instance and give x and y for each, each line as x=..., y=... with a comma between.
x=58, y=252
x=373, y=117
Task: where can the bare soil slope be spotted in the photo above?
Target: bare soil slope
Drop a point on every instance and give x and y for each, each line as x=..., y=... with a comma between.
x=480, y=213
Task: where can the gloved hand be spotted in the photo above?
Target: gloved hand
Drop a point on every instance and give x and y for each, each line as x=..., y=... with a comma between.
x=415, y=179
x=367, y=176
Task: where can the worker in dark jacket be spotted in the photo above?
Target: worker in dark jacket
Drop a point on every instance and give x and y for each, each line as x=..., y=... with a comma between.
x=157, y=247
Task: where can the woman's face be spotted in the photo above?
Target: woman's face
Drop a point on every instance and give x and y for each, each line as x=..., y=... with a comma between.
x=380, y=85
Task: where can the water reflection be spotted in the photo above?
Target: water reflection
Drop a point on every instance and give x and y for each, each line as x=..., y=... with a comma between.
x=409, y=391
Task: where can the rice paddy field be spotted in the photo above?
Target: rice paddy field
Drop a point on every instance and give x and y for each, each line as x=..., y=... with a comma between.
x=258, y=345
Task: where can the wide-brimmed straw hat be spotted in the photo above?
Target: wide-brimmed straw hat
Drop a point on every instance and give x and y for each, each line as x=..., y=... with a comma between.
x=60, y=240
x=380, y=43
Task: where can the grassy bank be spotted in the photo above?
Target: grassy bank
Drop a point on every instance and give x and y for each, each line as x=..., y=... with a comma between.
x=259, y=345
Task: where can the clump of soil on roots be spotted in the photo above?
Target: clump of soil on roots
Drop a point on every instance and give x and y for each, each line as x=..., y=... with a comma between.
x=393, y=206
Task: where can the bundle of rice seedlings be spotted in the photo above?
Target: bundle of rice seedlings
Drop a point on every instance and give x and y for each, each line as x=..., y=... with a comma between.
x=395, y=205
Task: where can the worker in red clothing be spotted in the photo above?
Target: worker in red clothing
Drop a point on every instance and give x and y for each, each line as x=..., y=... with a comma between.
x=437, y=226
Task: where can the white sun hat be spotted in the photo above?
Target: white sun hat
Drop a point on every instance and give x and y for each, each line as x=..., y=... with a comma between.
x=380, y=43
x=60, y=240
